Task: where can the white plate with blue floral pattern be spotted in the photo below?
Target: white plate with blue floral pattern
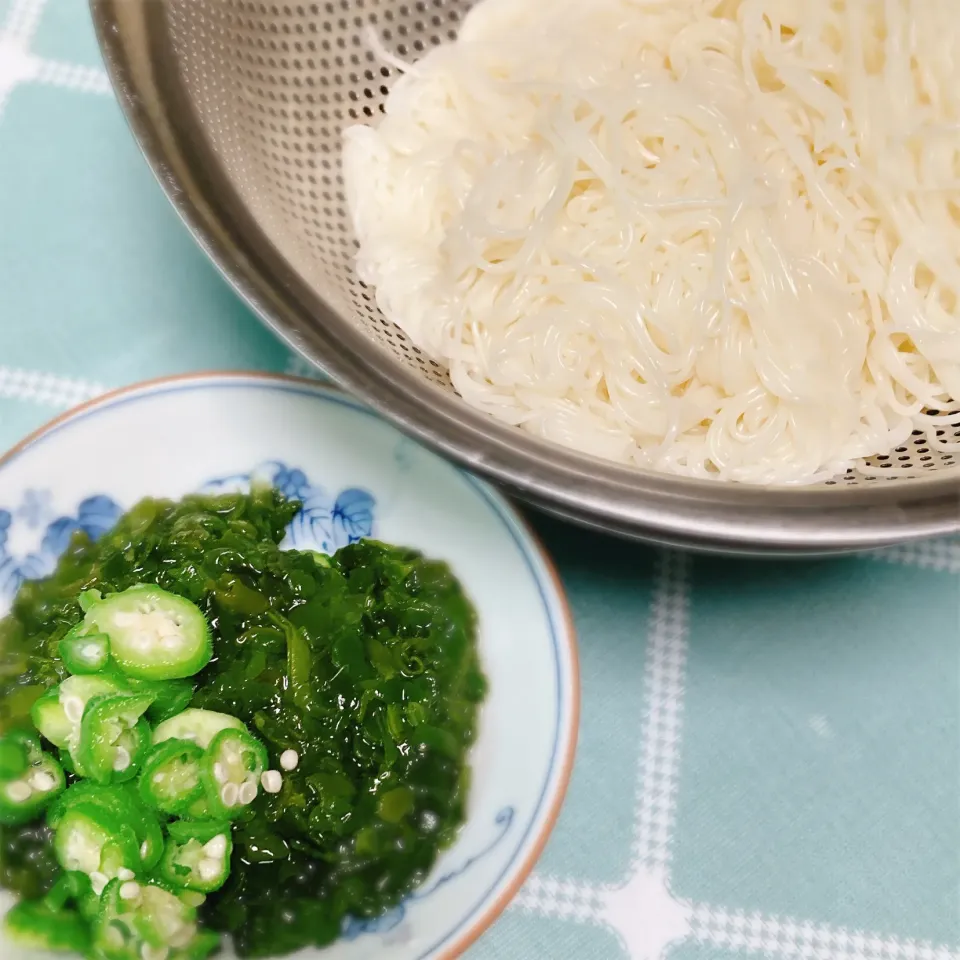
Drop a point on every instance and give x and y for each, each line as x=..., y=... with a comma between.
x=356, y=477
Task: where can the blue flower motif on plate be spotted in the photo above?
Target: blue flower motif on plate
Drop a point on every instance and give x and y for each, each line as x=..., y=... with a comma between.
x=325, y=522
x=49, y=536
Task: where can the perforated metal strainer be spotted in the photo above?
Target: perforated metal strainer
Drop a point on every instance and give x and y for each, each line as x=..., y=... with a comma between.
x=239, y=107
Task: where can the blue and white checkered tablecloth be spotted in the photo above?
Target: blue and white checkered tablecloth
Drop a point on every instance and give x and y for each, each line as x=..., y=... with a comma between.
x=769, y=761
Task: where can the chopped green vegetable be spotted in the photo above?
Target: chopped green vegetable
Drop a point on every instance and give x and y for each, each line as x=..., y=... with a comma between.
x=170, y=697
x=154, y=634
x=28, y=864
x=364, y=664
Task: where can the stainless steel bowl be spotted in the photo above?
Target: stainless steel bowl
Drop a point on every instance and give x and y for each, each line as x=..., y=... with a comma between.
x=238, y=106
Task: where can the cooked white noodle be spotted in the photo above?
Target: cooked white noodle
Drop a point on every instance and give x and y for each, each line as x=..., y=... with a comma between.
x=719, y=238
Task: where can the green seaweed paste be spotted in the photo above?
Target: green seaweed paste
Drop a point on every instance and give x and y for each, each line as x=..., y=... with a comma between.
x=364, y=663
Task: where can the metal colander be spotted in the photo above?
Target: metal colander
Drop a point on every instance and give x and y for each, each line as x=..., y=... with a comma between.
x=239, y=107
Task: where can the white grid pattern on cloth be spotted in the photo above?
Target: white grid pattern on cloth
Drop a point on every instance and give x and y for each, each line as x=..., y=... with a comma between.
x=941, y=555
x=46, y=389
x=786, y=937
x=560, y=899
x=73, y=76
x=22, y=21
x=663, y=689
x=644, y=913
x=19, y=65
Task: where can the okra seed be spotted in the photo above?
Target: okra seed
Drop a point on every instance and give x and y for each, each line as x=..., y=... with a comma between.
x=18, y=791
x=229, y=794
x=98, y=881
x=216, y=847
x=42, y=781
x=73, y=708
x=154, y=953
x=129, y=890
x=144, y=850
x=121, y=759
x=272, y=781
x=289, y=759
x=208, y=869
x=218, y=772
x=124, y=874
x=145, y=607
x=247, y=793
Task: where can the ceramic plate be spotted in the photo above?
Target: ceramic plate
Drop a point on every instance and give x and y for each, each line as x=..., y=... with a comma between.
x=356, y=477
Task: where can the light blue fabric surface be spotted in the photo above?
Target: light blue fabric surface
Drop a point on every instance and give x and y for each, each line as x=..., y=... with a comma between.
x=770, y=754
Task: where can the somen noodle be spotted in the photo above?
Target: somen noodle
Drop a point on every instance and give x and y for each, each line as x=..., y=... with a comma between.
x=718, y=238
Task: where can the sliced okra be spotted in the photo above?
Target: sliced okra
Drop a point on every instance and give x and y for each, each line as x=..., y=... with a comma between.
x=83, y=652
x=14, y=758
x=231, y=771
x=26, y=794
x=97, y=841
x=197, y=855
x=114, y=737
x=198, y=726
x=36, y=925
x=57, y=714
x=170, y=781
x=154, y=634
x=123, y=803
x=143, y=921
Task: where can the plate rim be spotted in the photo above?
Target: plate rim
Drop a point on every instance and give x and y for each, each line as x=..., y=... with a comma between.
x=528, y=540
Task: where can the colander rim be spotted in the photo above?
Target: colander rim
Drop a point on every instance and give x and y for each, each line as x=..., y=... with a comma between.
x=606, y=495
